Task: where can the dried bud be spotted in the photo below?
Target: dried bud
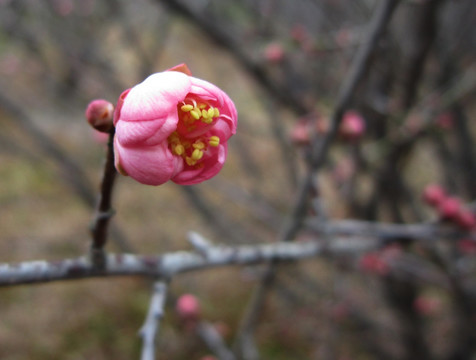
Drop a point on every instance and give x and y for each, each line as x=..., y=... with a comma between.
x=99, y=114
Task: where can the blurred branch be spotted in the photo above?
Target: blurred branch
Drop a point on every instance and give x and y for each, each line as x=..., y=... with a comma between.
x=384, y=231
x=214, y=341
x=220, y=38
x=320, y=148
x=149, y=330
x=71, y=172
x=319, y=153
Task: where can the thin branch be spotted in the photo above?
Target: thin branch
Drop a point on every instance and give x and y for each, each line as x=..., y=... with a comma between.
x=214, y=341
x=149, y=330
x=383, y=230
x=104, y=211
x=321, y=148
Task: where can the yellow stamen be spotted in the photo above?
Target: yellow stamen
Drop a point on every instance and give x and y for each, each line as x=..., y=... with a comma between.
x=216, y=112
x=195, y=113
x=198, y=145
x=214, y=141
x=186, y=108
x=202, y=106
x=211, y=112
x=190, y=161
x=207, y=121
x=179, y=149
x=205, y=114
x=197, y=154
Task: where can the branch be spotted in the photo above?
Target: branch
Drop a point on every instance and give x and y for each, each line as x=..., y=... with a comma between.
x=149, y=330
x=214, y=341
x=104, y=211
x=320, y=149
x=383, y=230
x=166, y=265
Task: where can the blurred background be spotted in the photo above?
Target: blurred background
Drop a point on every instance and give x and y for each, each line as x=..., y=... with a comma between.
x=283, y=63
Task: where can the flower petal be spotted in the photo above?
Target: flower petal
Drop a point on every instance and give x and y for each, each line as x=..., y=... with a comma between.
x=150, y=165
x=212, y=164
x=155, y=97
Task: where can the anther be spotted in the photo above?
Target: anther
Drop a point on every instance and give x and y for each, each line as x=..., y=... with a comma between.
x=214, y=141
x=186, y=107
x=216, y=112
x=199, y=145
x=195, y=113
x=197, y=154
x=179, y=149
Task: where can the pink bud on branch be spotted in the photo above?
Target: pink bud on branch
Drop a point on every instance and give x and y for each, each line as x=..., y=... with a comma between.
x=173, y=126
x=99, y=114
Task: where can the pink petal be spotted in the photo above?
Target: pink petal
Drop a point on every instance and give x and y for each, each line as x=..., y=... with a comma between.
x=155, y=97
x=146, y=132
x=212, y=165
x=150, y=165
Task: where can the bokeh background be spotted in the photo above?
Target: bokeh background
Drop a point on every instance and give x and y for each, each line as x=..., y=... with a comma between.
x=283, y=63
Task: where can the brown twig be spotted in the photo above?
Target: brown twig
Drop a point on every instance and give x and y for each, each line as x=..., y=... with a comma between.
x=104, y=212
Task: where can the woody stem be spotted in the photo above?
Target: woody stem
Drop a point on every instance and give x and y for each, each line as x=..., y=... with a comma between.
x=104, y=212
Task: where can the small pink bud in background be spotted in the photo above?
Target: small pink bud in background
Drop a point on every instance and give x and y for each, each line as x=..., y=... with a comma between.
x=99, y=114
x=274, y=53
x=449, y=208
x=188, y=307
x=299, y=33
x=300, y=133
x=374, y=263
x=467, y=246
x=352, y=126
x=173, y=126
x=465, y=219
x=445, y=120
x=426, y=305
x=434, y=195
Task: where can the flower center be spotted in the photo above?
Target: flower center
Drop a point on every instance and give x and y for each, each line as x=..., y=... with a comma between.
x=193, y=115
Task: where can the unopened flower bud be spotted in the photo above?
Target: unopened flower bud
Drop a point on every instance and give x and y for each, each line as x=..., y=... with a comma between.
x=466, y=219
x=353, y=126
x=188, y=307
x=99, y=114
x=449, y=208
x=434, y=195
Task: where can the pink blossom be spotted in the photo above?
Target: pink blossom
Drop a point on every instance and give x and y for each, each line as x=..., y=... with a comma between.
x=274, y=52
x=449, y=208
x=426, y=305
x=374, y=263
x=173, y=126
x=434, y=195
x=353, y=126
x=188, y=307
